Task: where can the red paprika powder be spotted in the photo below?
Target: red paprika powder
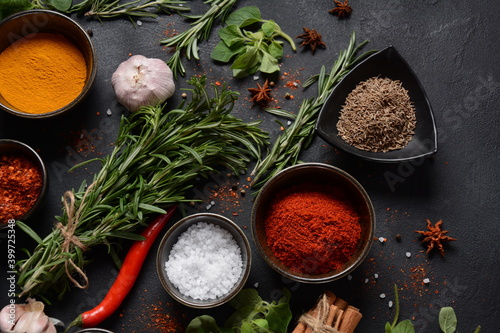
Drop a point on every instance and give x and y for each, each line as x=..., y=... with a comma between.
x=20, y=186
x=312, y=228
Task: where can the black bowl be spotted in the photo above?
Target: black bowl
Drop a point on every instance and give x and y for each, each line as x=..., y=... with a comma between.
x=386, y=63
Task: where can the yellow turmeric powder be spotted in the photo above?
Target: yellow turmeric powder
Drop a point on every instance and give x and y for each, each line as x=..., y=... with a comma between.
x=41, y=73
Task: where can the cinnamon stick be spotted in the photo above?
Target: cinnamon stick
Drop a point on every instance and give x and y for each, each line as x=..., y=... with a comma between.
x=350, y=320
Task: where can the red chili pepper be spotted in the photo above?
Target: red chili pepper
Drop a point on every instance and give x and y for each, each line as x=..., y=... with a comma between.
x=125, y=280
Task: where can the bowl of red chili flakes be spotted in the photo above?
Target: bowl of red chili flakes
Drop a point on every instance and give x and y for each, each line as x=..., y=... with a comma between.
x=23, y=181
x=313, y=223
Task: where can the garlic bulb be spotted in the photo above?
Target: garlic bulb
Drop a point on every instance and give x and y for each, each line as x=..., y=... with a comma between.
x=23, y=318
x=141, y=81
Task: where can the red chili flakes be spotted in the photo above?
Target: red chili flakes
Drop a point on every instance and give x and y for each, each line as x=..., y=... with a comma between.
x=20, y=185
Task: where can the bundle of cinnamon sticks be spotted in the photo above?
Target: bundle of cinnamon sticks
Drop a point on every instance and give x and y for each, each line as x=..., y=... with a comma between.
x=331, y=314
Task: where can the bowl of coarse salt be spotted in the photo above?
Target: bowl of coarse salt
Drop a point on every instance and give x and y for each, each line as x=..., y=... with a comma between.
x=203, y=260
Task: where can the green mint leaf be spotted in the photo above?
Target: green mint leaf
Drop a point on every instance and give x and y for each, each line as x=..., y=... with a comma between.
x=244, y=17
x=279, y=317
x=405, y=326
x=241, y=73
x=237, y=317
x=269, y=64
x=203, y=324
x=246, y=328
x=447, y=320
x=276, y=49
x=223, y=53
x=269, y=27
x=249, y=59
x=231, y=34
x=60, y=5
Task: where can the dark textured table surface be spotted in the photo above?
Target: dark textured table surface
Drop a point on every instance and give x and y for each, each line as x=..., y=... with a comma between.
x=453, y=48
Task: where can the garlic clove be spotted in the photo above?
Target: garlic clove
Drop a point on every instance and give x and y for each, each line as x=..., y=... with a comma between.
x=9, y=316
x=27, y=318
x=141, y=81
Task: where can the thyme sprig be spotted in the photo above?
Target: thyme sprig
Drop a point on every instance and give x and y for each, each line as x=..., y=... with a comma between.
x=201, y=27
x=136, y=8
x=156, y=159
x=299, y=135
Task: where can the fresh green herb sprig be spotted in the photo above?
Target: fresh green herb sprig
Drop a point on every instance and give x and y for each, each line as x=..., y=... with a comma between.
x=9, y=7
x=157, y=157
x=448, y=320
x=251, y=51
x=136, y=8
x=404, y=326
x=252, y=314
x=298, y=136
x=201, y=27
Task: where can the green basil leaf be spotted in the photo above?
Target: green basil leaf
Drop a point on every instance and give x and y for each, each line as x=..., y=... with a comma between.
x=276, y=49
x=60, y=5
x=237, y=317
x=203, y=324
x=269, y=64
x=249, y=59
x=447, y=320
x=223, y=53
x=405, y=326
x=269, y=27
x=231, y=34
x=244, y=17
x=279, y=317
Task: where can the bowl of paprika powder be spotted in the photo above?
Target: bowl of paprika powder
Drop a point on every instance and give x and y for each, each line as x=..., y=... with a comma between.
x=313, y=223
x=48, y=63
x=23, y=181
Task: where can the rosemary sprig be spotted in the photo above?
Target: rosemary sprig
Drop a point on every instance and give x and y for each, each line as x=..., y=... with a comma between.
x=156, y=159
x=135, y=8
x=200, y=30
x=298, y=136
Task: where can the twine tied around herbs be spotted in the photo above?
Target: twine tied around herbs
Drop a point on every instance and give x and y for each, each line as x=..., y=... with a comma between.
x=316, y=320
x=68, y=232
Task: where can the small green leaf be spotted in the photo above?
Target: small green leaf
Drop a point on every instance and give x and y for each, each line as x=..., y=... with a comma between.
x=13, y=6
x=276, y=49
x=447, y=320
x=231, y=34
x=269, y=64
x=246, y=297
x=269, y=27
x=60, y=5
x=203, y=324
x=261, y=323
x=405, y=326
x=223, y=53
x=124, y=235
x=246, y=328
x=279, y=317
x=244, y=17
x=249, y=59
x=388, y=327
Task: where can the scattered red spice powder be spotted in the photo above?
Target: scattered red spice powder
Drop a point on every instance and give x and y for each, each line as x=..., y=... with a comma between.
x=20, y=186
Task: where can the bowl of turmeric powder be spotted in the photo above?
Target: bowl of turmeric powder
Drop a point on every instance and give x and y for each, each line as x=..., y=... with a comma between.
x=48, y=63
x=313, y=223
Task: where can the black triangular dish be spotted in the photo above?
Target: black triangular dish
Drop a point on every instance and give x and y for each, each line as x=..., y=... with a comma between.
x=385, y=63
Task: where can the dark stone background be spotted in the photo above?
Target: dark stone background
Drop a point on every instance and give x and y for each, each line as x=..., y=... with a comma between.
x=453, y=48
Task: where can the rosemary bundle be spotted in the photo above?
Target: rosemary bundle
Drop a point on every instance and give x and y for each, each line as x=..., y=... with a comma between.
x=156, y=159
x=134, y=8
x=200, y=30
x=298, y=136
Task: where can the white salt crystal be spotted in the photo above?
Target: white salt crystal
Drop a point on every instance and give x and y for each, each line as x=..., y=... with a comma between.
x=382, y=295
x=390, y=304
x=366, y=280
x=426, y=280
x=381, y=239
x=205, y=262
x=408, y=254
x=349, y=277
x=108, y=112
x=375, y=276
x=139, y=23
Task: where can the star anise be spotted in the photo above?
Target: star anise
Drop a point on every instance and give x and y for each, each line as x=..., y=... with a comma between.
x=261, y=94
x=435, y=236
x=342, y=10
x=312, y=38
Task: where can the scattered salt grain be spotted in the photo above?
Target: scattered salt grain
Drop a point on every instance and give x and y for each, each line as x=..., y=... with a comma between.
x=382, y=295
x=381, y=239
x=390, y=304
x=255, y=77
x=349, y=277
x=408, y=254
x=205, y=262
x=426, y=280
x=375, y=276
x=208, y=206
x=139, y=23
x=366, y=280
x=108, y=112
x=256, y=284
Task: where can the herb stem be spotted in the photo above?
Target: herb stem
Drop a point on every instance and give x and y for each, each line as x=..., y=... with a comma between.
x=396, y=300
